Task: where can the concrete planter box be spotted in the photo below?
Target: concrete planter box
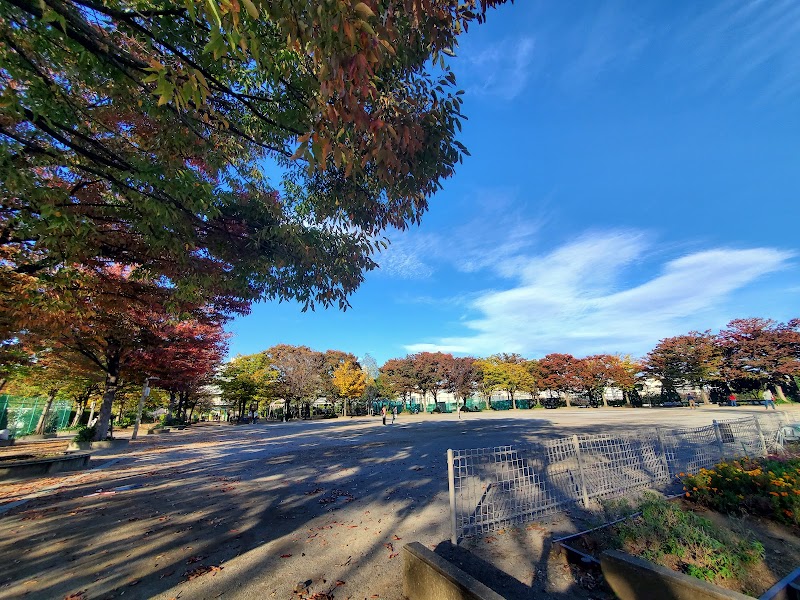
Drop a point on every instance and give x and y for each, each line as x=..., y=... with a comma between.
x=97, y=445
x=30, y=467
x=633, y=578
x=427, y=575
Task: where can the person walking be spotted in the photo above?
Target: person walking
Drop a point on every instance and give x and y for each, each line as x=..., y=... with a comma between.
x=769, y=400
x=394, y=414
x=383, y=414
x=690, y=398
x=732, y=399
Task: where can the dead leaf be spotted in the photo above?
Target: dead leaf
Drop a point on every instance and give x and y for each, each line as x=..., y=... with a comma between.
x=199, y=571
x=285, y=555
x=194, y=559
x=393, y=555
x=397, y=538
x=133, y=583
x=77, y=596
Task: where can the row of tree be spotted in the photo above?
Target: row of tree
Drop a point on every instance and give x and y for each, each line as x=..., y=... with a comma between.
x=748, y=355
x=111, y=332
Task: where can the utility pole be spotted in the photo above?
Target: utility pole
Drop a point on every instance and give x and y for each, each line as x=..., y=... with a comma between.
x=145, y=394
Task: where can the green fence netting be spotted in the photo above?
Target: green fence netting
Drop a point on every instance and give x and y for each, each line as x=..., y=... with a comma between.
x=21, y=415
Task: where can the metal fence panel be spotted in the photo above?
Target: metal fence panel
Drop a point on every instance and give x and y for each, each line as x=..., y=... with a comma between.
x=689, y=449
x=491, y=488
x=616, y=464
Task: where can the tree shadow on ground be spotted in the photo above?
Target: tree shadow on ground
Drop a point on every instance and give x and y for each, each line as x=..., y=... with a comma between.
x=273, y=504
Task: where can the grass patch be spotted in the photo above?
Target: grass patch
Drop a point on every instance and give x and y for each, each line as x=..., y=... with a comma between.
x=666, y=534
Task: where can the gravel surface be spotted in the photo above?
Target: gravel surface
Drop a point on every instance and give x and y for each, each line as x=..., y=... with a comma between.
x=277, y=510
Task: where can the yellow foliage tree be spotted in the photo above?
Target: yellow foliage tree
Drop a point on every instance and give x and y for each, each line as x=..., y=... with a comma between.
x=350, y=381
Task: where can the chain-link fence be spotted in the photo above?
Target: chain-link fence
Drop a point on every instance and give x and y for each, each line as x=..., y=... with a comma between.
x=21, y=415
x=492, y=488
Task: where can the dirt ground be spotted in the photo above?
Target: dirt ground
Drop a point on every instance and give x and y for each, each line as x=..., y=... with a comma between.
x=284, y=510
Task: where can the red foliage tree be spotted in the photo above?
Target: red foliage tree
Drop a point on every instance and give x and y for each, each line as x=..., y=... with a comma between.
x=757, y=352
x=398, y=375
x=558, y=373
x=108, y=315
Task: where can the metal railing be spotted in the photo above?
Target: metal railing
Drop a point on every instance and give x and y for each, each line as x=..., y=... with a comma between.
x=492, y=488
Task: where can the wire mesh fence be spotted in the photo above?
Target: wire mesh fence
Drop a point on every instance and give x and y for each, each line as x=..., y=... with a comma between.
x=492, y=488
x=21, y=415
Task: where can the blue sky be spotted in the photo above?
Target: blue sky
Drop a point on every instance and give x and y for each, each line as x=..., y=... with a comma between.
x=634, y=175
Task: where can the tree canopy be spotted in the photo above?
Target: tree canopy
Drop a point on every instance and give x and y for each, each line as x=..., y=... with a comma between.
x=136, y=131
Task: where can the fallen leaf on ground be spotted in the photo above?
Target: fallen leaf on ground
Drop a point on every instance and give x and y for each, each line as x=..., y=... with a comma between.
x=77, y=596
x=133, y=583
x=393, y=555
x=189, y=575
x=397, y=538
x=285, y=555
x=194, y=559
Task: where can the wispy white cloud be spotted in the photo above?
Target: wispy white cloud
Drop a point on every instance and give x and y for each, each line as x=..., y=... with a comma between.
x=407, y=255
x=723, y=47
x=501, y=70
x=496, y=235
x=574, y=299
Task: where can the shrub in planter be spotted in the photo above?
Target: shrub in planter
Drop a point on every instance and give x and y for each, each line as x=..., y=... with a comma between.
x=85, y=434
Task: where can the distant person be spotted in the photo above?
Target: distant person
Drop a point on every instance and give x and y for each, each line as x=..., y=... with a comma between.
x=732, y=399
x=383, y=414
x=690, y=398
x=458, y=410
x=394, y=414
x=769, y=400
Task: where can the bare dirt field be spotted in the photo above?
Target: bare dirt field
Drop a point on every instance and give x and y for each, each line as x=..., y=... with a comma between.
x=282, y=510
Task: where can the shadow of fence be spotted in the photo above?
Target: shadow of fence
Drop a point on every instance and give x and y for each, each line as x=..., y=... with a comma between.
x=492, y=488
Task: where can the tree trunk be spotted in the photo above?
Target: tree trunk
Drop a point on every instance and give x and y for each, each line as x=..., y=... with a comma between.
x=79, y=412
x=285, y=409
x=180, y=410
x=603, y=396
x=779, y=393
x=112, y=378
x=91, y=412
x=513, y=400
x=566, y=397
x=45, y=413
x=170, y=405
